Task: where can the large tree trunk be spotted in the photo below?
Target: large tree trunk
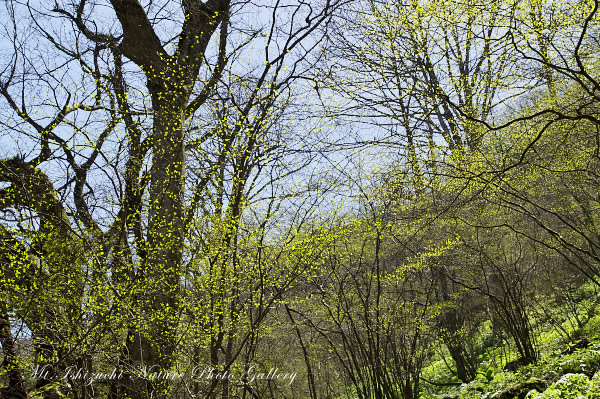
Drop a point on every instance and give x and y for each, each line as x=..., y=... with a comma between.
x=465, y=370
x=166, y=221
x=170, y=79
x=153, y=345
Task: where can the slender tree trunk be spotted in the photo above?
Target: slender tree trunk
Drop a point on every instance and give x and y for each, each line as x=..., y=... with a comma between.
x=451, y=324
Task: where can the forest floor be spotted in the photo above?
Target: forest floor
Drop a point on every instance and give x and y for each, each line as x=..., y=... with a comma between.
x=568, y=341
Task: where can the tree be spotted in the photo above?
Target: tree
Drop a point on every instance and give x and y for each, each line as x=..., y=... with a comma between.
x=126, y=85
x=553, y=140
x=396, y=65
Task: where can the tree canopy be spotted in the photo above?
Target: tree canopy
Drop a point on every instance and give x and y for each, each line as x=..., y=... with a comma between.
x=289, y=198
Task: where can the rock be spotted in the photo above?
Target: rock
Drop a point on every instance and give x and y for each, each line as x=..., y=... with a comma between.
x=521, y=389
x=514, y=365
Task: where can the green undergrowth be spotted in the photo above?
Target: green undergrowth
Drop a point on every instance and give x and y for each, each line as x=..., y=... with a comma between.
x=566, y=368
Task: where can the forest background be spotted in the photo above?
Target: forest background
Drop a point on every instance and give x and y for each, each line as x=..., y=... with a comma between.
x=289, y=198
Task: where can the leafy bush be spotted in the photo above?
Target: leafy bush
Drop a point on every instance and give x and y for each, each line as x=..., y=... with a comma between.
x=569, y=386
